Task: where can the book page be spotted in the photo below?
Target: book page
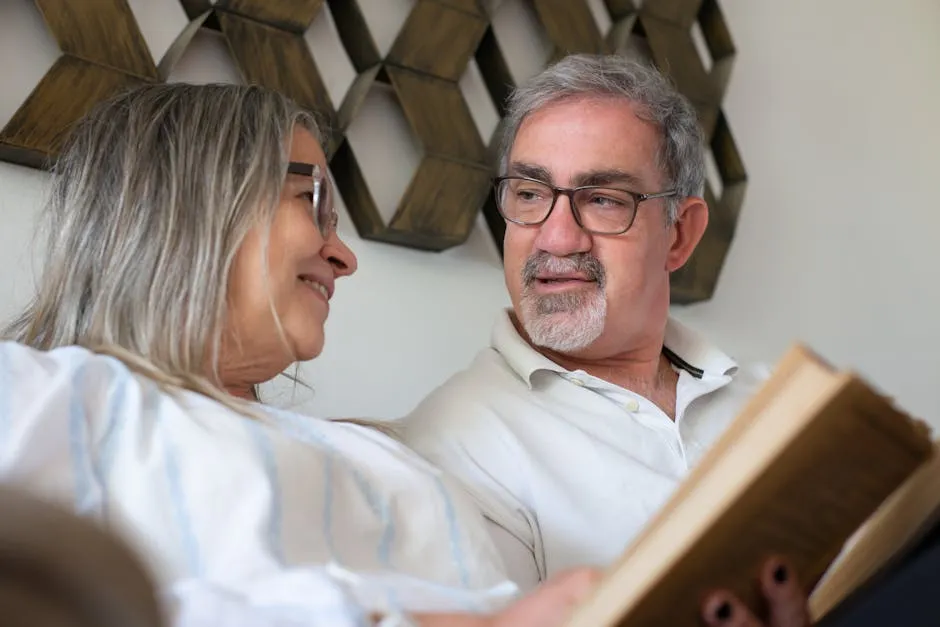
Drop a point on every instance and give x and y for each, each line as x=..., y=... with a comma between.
x=898, y=524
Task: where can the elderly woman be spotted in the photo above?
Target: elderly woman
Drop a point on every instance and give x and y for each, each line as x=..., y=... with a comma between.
x=191, y=256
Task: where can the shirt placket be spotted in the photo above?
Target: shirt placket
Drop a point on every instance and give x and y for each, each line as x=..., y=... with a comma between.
x=639, y=408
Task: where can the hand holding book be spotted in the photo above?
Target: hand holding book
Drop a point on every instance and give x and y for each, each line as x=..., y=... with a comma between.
x=786, y=601
x=548, y=605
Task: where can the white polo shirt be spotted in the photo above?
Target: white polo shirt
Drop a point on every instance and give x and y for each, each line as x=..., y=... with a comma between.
x=568, y=466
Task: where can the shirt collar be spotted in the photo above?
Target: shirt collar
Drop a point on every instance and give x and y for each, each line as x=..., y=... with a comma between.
x=694, y=353
x=693, y=349
x=521, y=357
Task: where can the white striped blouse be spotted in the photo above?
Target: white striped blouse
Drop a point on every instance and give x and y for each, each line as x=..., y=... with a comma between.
x=300, y=518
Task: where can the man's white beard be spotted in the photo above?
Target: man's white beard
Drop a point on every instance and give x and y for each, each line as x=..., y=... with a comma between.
x=566, y=322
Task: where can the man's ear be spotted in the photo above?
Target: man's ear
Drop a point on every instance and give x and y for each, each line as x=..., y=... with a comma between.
x=687, y=232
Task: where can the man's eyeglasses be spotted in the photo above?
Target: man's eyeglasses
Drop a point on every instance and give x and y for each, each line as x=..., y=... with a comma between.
x=323, y=211
x=596, y=209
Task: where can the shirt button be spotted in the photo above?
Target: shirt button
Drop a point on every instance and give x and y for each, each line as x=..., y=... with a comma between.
x=632, y=405
x=577, y=382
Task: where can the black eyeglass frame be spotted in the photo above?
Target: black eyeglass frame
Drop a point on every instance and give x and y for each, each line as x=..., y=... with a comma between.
x=570, y=192
x=326, y=224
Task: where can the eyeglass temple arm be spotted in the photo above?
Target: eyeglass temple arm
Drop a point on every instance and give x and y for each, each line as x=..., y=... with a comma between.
x=303, y=169
x=671, y=192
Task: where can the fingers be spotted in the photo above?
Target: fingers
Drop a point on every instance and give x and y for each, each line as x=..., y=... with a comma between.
x=786, y=601
x=551, y=603
x=724, y=610
x=575, y=585
x=785, y=597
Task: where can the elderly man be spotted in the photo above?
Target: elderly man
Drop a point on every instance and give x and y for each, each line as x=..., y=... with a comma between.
x=591, y=404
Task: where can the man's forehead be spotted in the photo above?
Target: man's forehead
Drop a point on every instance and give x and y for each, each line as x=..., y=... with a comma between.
x=601, y=112
x=605, y=126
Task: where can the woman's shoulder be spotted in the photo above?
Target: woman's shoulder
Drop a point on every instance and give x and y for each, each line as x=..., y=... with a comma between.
x=40, y=386
x=75, y=380
x=25, y=367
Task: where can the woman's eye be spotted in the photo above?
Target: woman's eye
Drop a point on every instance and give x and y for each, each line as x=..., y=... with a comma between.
x=308, y=196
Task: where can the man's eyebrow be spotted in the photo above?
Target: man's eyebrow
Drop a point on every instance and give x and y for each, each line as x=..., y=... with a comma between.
x=531, y=171
x=592, y=177
x=608, y=177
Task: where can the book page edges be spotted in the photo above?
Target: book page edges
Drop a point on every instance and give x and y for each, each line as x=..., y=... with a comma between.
x=903, y=519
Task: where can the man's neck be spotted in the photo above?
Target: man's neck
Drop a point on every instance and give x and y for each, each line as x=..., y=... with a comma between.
x=644, y=370
x=648, y=373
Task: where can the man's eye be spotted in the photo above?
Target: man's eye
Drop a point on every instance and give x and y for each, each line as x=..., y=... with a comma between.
x=308, y=196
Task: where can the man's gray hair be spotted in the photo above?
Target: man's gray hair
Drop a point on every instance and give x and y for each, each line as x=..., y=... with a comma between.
x=682, y=151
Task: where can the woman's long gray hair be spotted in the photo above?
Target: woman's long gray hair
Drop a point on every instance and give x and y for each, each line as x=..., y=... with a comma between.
x=151, y=198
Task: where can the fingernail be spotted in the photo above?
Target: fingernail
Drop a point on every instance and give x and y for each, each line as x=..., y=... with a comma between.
x=723, y=612
x=781, y=574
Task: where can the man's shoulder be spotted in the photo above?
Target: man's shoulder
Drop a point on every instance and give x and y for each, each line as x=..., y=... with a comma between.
x=465, y=427
x=751, y=375
x=488, y=369
x=471, y=394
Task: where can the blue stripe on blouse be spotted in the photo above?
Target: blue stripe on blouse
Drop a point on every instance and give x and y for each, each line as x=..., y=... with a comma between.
x=328, y=506
x=453, y=530
x=115, y=423
x=275, y=524
x=85, y=488
x=180, y=509
x=304, y=428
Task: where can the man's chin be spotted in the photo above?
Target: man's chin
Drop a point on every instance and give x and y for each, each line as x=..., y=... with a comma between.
x=562, y=332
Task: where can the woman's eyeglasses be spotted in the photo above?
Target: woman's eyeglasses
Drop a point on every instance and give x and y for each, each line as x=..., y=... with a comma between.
x=323, y=211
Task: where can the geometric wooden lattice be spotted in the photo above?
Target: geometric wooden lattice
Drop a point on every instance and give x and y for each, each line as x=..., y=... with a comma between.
x=104, y=52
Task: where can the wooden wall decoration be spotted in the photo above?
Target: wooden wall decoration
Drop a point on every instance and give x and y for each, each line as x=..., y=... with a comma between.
x=103, y=52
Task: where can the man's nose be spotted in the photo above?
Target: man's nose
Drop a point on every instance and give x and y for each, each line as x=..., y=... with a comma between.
x=560, y=234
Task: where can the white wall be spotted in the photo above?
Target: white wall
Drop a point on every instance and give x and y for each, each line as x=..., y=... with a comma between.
x=833, y=246
x=835, y=108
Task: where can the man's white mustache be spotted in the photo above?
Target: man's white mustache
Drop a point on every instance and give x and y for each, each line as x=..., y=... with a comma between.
x=581, y=263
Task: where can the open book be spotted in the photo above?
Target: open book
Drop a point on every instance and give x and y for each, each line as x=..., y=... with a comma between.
x=900, y=523
x=809, y=459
